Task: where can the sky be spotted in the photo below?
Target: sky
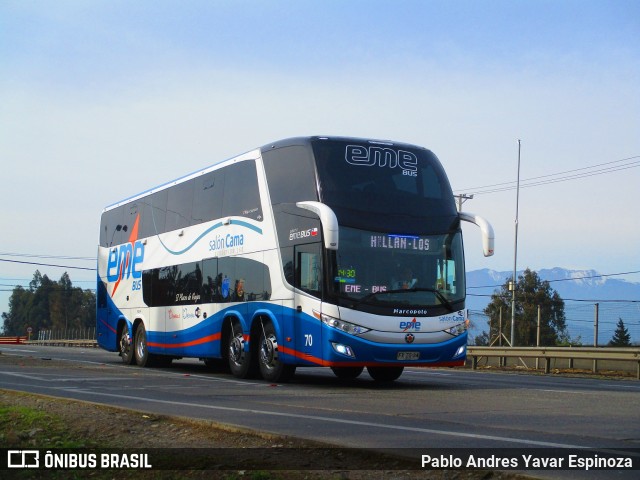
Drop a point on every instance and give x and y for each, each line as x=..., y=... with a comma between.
x=100, y=100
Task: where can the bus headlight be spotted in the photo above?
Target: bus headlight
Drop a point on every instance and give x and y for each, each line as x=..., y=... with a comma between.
x=346, y=327
x=343, y=349
x=458, y=329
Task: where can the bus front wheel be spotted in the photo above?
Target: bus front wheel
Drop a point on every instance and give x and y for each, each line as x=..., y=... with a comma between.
x=269, y=360
x=385, y=374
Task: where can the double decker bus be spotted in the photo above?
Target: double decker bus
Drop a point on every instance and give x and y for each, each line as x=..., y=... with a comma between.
x=314, y=251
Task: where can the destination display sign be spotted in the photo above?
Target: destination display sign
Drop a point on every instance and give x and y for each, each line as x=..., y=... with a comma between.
x=399, y=242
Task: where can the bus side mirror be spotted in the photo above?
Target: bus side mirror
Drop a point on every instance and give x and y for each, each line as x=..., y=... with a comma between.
x=327, y=219
x=486, y=229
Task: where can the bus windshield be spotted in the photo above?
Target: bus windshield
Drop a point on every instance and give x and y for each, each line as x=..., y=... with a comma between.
x=395, y=271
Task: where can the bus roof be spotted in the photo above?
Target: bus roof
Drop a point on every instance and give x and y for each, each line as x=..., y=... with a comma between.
x=252, y=155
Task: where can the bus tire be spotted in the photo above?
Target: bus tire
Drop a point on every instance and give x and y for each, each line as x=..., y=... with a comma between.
x=271, y=366
x=239, y=356
x=347, y=373
x=126, y=346
x=385, y=374
x=143, y=358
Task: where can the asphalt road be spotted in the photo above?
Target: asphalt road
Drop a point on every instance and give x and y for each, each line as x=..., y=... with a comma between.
x=425, y=408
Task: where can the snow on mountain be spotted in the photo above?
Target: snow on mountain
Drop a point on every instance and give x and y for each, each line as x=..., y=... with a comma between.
x=572, y=285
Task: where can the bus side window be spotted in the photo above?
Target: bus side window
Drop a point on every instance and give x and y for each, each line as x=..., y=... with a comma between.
x=241, y=195
x=308, y=268
x=112, y=225
x=225, y=279
x=209, y=282
x=188, y=282
x=179, y=206
x=207, y=198
x=158, y=205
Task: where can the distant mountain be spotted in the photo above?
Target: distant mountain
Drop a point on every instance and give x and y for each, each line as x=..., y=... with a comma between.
x=588, y=286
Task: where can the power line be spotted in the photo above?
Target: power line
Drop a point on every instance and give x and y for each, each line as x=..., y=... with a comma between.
x=557, y=180
x=559, y=173
x=47, y=264
x=33, y=255
x=27, y=280
x=546, y=179
x=569, y=279
x=590, y=300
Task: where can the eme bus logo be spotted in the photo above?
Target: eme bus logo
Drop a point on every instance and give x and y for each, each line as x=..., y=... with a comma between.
x=382, y=156
x=412, y=325
x=125, y=261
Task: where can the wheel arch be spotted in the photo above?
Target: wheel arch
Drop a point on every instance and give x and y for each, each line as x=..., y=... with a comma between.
x=225, y=331
x=121, y=325
x=261, y=316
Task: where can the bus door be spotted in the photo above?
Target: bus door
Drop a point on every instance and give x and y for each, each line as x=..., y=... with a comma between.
x=308, y=282
x=107, y=322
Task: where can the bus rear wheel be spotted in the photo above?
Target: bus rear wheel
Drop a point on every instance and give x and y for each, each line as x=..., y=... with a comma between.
x=385, y=374
x=143, y=357
x=126, y=347
x=271, y=366
x=239, y=356
x=347, y=373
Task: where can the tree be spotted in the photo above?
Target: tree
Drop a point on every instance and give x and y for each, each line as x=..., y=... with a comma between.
x=49, y=304
x=482, y=339
x=531, y=292
x=15, y=321
x=621, y=337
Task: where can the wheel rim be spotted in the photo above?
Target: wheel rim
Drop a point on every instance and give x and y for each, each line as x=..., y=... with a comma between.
x=236, y=349
x=269, y=351
x=141, y=345
x=125, y=342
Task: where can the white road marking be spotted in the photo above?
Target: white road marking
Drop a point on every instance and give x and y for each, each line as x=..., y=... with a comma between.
x=339, y=421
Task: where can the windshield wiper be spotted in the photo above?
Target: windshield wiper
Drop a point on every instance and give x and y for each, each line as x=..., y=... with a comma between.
x=437, y=293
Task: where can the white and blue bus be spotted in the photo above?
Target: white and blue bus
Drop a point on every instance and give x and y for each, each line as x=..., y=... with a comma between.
x=315, y=251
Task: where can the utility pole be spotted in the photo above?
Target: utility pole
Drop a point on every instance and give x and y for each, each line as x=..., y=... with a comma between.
x=515, y=259
x=595, y=334
x=463, y=197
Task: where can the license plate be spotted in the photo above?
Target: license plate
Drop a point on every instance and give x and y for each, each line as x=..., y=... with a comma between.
x=408, y=356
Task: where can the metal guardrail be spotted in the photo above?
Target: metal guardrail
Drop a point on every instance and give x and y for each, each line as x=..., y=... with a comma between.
x=64, y=343
x=628, y=354
x=74, y=337
x=15, y=340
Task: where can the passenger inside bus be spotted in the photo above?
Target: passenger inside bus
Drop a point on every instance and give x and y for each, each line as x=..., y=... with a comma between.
x=238, y=292
x=406, y=280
